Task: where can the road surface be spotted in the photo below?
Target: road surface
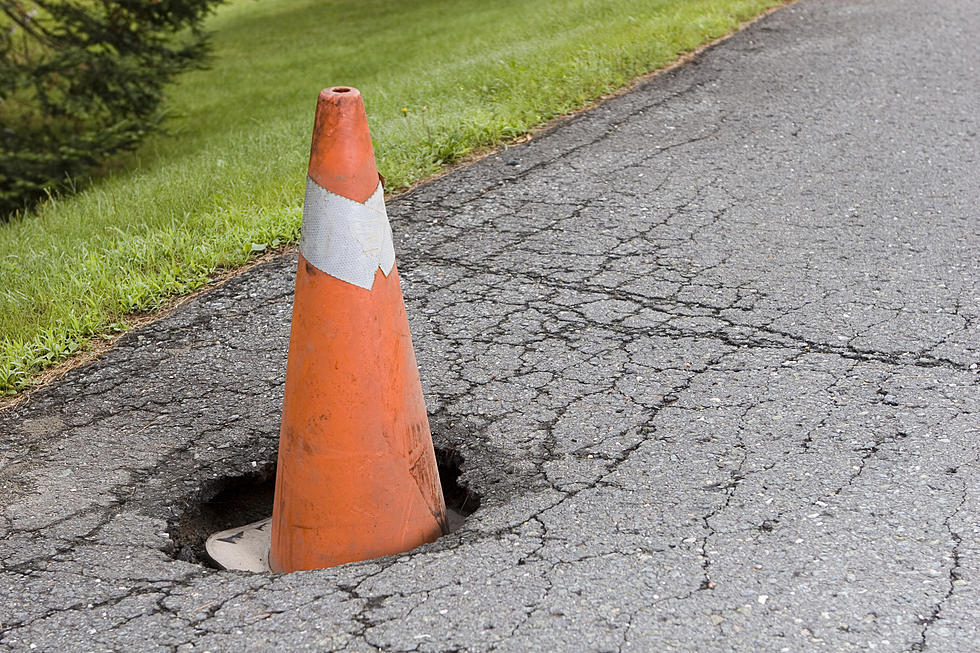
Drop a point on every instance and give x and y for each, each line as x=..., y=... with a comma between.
x=708, y=354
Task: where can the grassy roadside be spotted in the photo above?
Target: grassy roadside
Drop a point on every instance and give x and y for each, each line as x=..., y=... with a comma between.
x=440, y=78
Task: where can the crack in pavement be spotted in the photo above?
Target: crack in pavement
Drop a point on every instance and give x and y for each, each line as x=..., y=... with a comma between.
x=707, y=367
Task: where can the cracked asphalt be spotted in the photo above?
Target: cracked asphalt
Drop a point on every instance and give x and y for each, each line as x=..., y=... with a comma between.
x=708, y=351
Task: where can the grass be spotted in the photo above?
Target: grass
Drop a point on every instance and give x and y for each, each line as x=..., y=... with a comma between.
x=440, y=78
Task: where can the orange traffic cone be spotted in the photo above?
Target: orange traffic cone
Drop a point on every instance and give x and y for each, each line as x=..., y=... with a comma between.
x=357, y=475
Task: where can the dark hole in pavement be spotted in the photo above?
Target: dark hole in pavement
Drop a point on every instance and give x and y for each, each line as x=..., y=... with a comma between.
x=239, y=500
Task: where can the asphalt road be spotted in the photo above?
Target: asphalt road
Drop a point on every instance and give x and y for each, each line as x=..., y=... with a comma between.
x=708, y=352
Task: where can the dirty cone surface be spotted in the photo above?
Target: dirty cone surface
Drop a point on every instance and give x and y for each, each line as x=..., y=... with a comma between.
x=708, y=354
x=356, y=476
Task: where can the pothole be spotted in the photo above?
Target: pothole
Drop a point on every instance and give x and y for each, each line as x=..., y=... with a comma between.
x=234, y=501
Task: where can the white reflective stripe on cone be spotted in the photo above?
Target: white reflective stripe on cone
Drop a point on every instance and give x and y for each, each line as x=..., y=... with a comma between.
x=346, y=239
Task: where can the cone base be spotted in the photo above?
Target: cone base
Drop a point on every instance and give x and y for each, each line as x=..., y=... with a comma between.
x=245, y=548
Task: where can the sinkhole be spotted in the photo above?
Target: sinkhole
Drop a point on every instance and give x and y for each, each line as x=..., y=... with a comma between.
x=230, y=502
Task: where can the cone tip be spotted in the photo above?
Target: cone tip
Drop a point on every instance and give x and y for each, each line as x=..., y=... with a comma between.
x=341, y=155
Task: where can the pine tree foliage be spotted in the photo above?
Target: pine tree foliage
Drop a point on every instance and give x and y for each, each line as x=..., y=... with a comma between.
x=81, y=80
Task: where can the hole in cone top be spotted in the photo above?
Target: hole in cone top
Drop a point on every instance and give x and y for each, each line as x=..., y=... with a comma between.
x=341, y=89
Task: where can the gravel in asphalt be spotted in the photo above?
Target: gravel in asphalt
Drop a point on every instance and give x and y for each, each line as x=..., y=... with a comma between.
x=708, y=353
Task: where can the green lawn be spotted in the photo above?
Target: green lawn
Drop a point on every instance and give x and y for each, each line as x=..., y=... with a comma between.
x=439, y=78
